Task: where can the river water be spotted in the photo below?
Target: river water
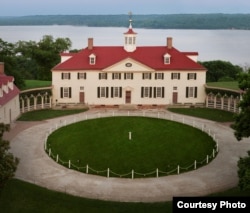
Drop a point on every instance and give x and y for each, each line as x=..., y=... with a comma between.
x=227, y=45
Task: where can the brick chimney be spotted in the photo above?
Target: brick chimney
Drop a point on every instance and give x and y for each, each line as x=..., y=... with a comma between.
x=169, y=42
x=90, y=43
x=1, y=68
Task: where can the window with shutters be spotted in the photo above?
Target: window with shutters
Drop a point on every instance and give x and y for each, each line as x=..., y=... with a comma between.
x=175, y=75
x=116, y=92
x=128, y=76
x=65, y=92
x=116, y=75
x=146, y=92
x=102, y=92
x=191, y=92
x=191, y=76
x=103, y=76
x=82, y=75
x=159, y=75
x=65, y=75
x=146, y=75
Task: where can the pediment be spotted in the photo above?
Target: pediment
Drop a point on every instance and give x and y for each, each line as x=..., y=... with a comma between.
x=128, y=65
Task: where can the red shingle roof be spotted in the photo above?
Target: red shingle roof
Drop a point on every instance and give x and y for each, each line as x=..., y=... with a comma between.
x=4, y=79
x=151, y=56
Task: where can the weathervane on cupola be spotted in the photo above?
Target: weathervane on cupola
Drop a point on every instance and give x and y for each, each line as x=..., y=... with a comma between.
x=130, y=37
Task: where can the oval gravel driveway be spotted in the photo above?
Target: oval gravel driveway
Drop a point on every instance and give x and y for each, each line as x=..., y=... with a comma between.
x=36, y=167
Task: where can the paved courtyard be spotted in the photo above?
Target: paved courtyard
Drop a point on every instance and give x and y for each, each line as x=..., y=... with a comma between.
x=27, y=143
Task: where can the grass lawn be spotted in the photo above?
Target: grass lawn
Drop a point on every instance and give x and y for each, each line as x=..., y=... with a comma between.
x=30, y=84
x=226, y=85
x=206, y=113
x=156, y=143
x=45, y=114
x=19, y=196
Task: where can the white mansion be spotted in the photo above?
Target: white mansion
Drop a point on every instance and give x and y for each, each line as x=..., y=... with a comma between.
x=129, y=75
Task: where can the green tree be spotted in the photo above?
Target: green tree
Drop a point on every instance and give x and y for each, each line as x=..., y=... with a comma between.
x=8, y=163
x=47, y=55
x=7, y=55
x=242, y=124
x=242, y=129
x=244, y=172
x=36, y=59
x=221, y=71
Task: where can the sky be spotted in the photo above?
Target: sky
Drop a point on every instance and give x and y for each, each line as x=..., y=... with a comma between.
x=95, y=7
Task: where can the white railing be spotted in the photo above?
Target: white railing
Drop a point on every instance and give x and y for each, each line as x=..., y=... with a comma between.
x=132, y=174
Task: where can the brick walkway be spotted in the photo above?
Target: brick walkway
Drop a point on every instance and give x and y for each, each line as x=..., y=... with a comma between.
x=27, y=143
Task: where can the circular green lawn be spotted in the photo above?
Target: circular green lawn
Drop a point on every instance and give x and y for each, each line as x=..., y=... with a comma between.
x=155, y=143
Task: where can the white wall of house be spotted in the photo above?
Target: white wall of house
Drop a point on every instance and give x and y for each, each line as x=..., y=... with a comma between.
x=90, y=85
x=10, y=111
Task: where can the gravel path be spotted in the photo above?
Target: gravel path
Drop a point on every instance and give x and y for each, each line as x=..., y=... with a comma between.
x=27, y=143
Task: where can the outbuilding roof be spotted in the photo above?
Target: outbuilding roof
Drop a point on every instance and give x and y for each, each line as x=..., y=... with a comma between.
x=12, y=92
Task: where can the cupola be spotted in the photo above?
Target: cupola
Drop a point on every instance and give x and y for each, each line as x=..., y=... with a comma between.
x=130, y=38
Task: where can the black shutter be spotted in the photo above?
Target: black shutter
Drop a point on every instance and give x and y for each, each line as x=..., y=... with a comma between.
x=106, y=76
x=186, y=92
x=85, y=75
x=154, y=92
x=62, y=76
x=69, y=75
x=162, y=76
x=61, y=92
x=143, y=75
x=125, y=76
x=172, y=75
x=69, y=92
x=98, y=92
x=120, y=92
x=155, y=75
x=162, y=92
x=150, y=92
x=142, y=92
x=132, y=76
x=195, y=92
x=113, y=75
x=149, y=75
x=120, y=76
x=195, y=76
x=107, y=92
x=179, y=76
x=188, y=76
x=78, y=75
x=99, y=75
x=112, y=91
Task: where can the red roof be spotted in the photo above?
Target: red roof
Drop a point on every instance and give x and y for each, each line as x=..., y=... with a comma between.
x=11, y=92
x=151, y=56
x=130, y=31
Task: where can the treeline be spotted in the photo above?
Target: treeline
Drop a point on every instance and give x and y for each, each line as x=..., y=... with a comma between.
x=167, y=21
x=31, y=59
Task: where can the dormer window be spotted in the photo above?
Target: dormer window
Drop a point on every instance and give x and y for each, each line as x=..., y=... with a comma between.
x=10, y=85
x=5, y=89
x=167, y=58
x=92, y=59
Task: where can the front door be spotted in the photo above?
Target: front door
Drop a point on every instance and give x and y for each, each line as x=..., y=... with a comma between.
x=81, y=97
x=128, y=97
x=175, y=97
